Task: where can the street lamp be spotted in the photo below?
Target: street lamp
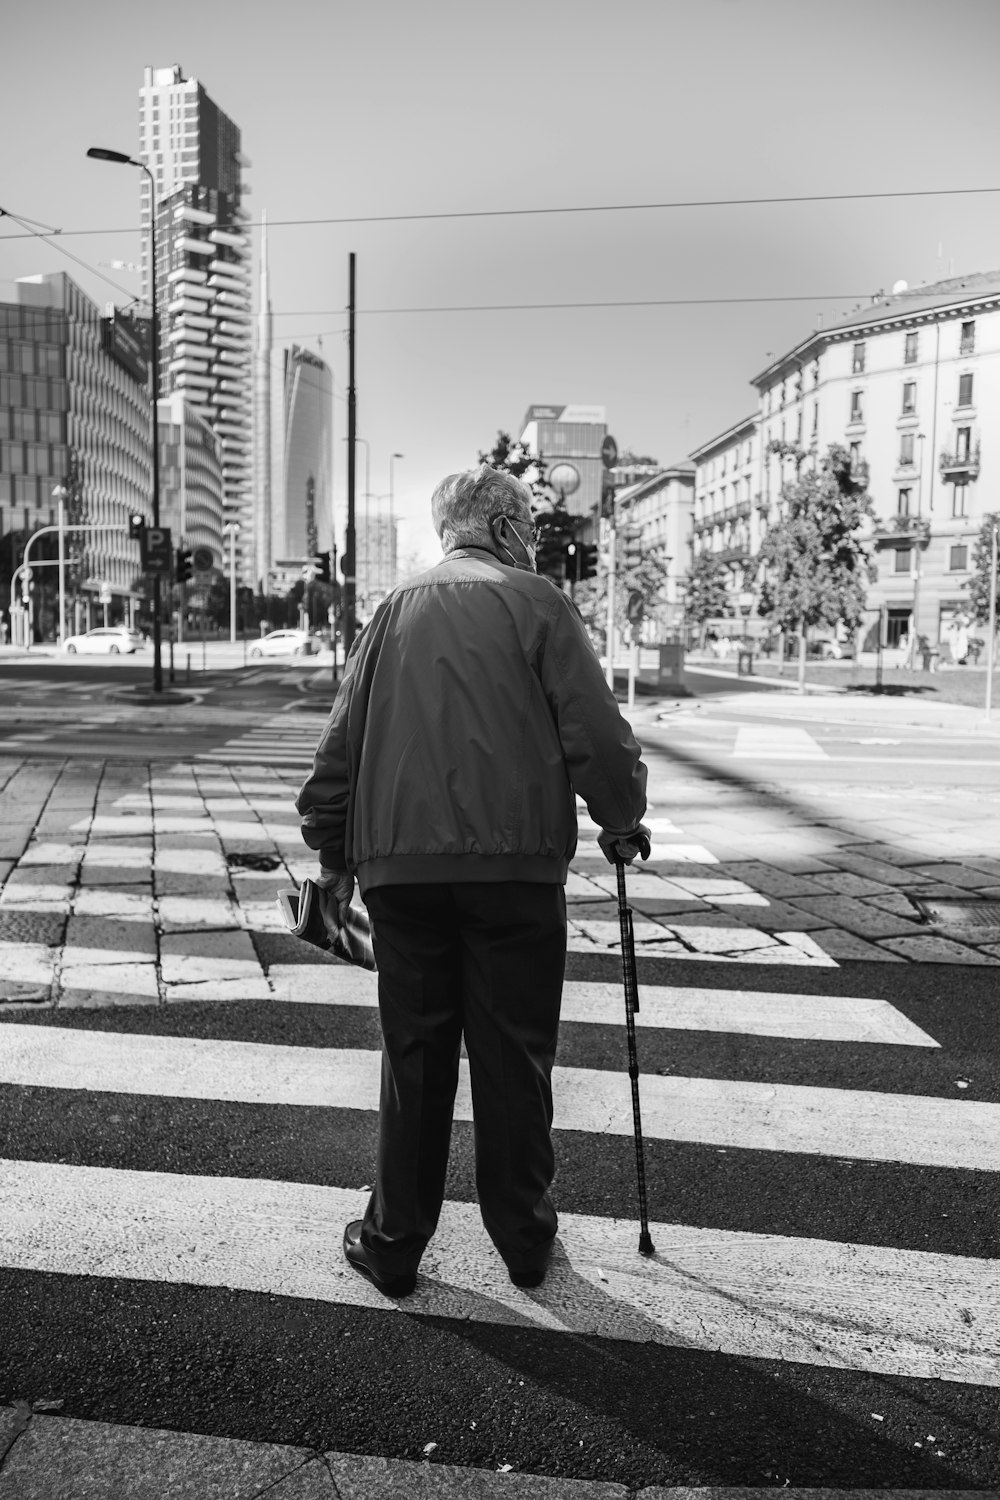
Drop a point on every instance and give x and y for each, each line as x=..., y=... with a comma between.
x=914, y=637
x=231, y=529
x=392, y=532
x=100, y=153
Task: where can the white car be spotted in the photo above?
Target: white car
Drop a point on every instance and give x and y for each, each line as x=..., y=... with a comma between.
x=106, y=640
x=285, y=643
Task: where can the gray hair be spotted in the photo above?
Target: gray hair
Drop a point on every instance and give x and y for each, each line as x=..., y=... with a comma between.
x=463, y=505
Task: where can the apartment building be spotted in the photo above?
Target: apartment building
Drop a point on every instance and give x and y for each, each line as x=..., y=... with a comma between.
x=729, y=515
x=203, y=271
x=662, y=505
x=906, y=385
x=568, y=441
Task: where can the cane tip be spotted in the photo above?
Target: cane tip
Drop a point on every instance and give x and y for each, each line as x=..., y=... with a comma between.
x=646, y=1246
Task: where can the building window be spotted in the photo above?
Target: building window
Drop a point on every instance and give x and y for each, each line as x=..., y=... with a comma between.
x=815, y=418
x=967, y=339
x=965, y=390
x=902, y=559
x=798, y=430
x=906, y=441
x=858, y=360
x=910, y=347
x=816, y=373
x=855, y=457
x=903, y=502
x=958, y=559
x=963, y=444
x=959, y=500
x=857, y=406
x=909, y=398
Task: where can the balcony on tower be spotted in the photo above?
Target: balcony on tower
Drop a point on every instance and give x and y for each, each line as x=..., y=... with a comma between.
x=962, y=465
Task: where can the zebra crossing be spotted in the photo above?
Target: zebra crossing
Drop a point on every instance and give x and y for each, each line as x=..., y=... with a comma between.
x=208, y=1156
x=285, y=739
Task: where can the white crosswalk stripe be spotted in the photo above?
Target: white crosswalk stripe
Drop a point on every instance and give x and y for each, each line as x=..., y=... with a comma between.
x=776, y=742
x=284, y=739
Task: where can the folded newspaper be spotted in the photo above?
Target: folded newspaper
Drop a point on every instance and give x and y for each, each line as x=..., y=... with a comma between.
x=310, y=913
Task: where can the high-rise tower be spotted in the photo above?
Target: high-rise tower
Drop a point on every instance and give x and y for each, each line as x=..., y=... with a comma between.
x=203, y=270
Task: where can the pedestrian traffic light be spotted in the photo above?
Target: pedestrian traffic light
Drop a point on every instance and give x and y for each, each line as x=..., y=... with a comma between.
x=630, y=547
x=184, y=566
x=571, y=561
x=322, y=563
x=587, y=565
x=347, y=562
x=136, y=525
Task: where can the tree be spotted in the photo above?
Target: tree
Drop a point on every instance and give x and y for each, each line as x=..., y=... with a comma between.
x=556, y=526
x=707, y=596
x=982, y=562
x=816, y=570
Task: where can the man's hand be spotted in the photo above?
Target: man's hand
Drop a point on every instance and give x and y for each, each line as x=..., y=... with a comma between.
x=624, y=847
x=341, y=883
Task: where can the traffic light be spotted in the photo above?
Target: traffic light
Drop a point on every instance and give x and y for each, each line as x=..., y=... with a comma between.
x=347, y=562
x=587, y=562
x=571, y=561
x=136, y=525
x=629, y=548
x=184, y=565
x=322, y=563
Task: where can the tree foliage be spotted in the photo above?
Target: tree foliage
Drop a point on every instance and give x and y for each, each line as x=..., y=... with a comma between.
x=978, y=585
x=816, y=570
x=706, y=596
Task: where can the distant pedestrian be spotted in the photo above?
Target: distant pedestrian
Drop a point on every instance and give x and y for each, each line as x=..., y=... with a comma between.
x=472, y=710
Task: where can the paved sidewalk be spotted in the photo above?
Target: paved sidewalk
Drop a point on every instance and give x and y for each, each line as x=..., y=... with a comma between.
x=128, y=884
x=47, y=1457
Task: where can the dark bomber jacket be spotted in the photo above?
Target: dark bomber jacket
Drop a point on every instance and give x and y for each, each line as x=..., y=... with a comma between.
x=472, y=708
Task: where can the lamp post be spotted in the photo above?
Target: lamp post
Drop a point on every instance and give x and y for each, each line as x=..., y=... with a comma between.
x=99, y=153
x=231, y=529
x=59, y=494
x=392, y=523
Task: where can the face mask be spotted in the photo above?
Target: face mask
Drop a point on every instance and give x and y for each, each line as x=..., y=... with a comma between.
x=529, y=553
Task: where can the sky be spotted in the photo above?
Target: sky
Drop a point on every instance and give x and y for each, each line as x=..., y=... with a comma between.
x=385, y=110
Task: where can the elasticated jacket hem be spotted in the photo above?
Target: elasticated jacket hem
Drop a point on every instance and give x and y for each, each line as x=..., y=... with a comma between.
x=432, y=869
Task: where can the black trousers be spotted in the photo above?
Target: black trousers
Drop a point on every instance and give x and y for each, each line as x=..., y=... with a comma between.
x=486, y=961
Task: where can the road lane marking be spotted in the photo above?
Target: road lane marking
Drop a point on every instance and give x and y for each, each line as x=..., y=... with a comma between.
x=776, y=742
x=817, y=1018
x=844, y=1306
x=860, y=1124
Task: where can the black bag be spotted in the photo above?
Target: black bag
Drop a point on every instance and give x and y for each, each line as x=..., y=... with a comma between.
x=311, y=913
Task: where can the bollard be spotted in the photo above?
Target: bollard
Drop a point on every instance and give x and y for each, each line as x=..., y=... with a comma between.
x=189, y=669
x=170, y=675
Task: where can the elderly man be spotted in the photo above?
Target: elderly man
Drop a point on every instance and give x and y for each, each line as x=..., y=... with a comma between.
x=472, y=708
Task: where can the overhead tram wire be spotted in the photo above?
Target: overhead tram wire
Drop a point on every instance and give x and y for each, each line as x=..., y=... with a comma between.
x=5, y=213
x=581, y=208
x=331, y=312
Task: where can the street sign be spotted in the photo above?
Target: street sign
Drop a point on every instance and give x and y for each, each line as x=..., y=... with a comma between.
x=203, y=559
x=609, y=452
x=104, y=597
x=157, y=555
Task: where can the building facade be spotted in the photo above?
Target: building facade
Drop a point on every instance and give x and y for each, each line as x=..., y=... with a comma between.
x=194, y=152
x=662, y=505
x=728, y=516
x=192, y=491
x=906, y=385
x=376, y=558
x=75, y=420
x=567, y=441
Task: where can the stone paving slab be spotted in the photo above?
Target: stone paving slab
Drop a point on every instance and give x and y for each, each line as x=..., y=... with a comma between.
x=95, y=984
x=195, y=912
x=934, y=949
x=133, y=904
x=847, y=945
x=190, y=957
x=857, y=916
x=108, y=936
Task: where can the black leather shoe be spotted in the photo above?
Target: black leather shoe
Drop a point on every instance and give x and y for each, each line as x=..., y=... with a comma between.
x=533, y=1277
x=357, y=1256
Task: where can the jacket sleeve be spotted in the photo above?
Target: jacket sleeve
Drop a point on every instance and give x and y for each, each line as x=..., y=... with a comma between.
x=602, y=755
x=325, y=796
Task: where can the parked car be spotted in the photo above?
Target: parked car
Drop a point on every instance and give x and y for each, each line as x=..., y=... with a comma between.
x=285, y=643
x=105, y=640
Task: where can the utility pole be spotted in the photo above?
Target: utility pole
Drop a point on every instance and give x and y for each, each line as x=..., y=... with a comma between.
x=350, y=539
x=993, y=623
x=610, y=628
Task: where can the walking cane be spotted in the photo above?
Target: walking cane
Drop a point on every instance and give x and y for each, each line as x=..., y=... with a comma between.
x=631, y=1006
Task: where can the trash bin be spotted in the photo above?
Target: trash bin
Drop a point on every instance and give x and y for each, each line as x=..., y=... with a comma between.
x=744, y=664
x=670, y=674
